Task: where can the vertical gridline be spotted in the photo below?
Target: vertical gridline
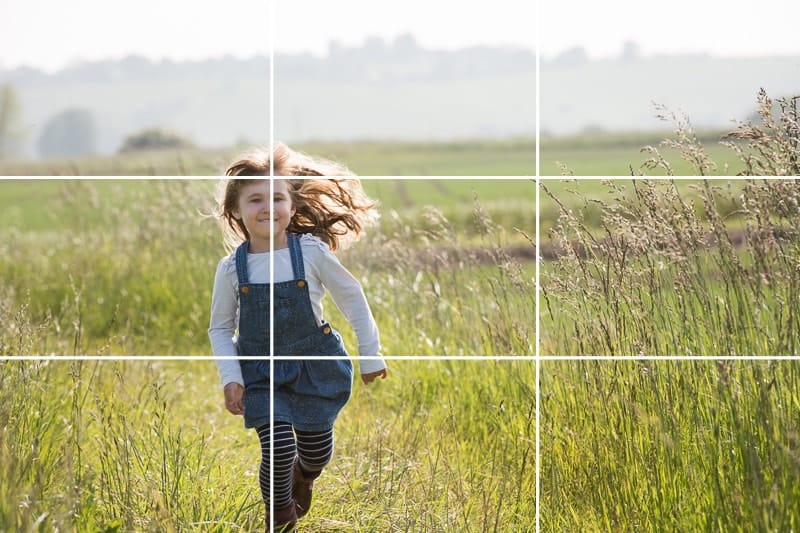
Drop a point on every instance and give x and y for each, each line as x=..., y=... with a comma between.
x=537, y=327
x=271, y=34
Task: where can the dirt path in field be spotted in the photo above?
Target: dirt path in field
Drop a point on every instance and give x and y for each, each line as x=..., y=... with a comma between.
x=551, y=251
x=402, y=193
x=442, y=258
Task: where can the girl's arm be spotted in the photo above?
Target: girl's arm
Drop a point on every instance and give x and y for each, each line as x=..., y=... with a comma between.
x=222, y=326
x=350, y=299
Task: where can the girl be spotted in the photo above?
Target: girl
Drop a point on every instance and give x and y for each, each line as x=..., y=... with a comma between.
x=306, y=219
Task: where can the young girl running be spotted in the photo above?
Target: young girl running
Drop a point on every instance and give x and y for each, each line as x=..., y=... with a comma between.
x=307, y=220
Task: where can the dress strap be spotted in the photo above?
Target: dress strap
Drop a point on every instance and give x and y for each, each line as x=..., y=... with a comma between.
x=297, y=256
x=241, y=263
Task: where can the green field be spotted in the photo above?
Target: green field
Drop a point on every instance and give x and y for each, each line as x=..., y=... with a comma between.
x=366, y=158
x=670, y=446
x=114, y=267
x=661, y=268
x=439, y=446
x=126, y=267
x=622, y=154
x=600, y=154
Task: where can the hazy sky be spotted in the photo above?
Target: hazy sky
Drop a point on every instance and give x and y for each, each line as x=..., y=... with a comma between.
x=53, y=33
x=308, y=25
x=766, y=27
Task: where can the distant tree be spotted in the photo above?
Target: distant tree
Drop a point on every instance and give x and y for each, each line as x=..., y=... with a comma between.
x=11, y=131
x=374, y=44
x=405, y=44
x=155, y=139
x=572, y=57
x=69, y=133
x=631, y=51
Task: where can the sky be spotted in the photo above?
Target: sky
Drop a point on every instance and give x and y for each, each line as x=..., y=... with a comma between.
x=51, y=34
x=725, y=29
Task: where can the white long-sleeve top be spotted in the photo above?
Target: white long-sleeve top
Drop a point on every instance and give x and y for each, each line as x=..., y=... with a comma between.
x=322, y=271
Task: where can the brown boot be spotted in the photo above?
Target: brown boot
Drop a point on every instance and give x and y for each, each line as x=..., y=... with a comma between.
x=284, y=520
x=302, y=486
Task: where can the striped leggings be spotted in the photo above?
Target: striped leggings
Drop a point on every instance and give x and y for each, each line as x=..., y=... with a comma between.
x=313, y=448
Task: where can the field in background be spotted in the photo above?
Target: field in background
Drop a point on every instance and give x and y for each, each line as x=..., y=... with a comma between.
x=366, y=158
x=596, y=154
x=126, y=267
x=620, y=154
x=147, y=446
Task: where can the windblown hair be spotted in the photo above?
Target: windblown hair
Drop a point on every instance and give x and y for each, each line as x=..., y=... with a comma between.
x=334, y=209
x=337, y=210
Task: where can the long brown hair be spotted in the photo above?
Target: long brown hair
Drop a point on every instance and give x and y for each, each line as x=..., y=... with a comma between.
x=337, y=210
x=334, y=209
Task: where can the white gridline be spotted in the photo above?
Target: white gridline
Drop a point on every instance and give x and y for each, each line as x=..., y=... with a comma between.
x=537, y=358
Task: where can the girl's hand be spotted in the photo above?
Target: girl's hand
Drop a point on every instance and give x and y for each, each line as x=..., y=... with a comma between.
x=233, y=398
x=369, y=378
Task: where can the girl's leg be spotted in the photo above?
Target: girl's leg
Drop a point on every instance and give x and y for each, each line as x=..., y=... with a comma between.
x=314, y=451
x=285, y=451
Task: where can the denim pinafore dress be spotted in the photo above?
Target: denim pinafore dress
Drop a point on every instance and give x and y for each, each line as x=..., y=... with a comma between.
x=307, y=393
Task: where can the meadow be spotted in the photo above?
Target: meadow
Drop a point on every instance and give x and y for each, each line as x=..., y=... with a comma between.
x=113, y=267
x=670, y=445
x=672, y=268
x=624, y=154
x=147, y=446
x=600, y=154
x=515, y=157
x=126, y=267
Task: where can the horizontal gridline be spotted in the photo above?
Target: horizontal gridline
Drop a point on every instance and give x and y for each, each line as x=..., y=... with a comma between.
x=214, y=178
x=265, y=358
x=476, y=358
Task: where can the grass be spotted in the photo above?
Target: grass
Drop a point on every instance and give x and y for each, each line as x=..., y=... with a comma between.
x=670, y=445
x=126, y=267
x=621, y=155
x=121, y=446
x=514, y=157
x=658, y=276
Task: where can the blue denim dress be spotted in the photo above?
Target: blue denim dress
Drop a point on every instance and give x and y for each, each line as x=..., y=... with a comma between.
x=307, y=394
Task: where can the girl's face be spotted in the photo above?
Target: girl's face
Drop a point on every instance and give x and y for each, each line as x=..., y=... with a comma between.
x=282, y=211
x=262, y=215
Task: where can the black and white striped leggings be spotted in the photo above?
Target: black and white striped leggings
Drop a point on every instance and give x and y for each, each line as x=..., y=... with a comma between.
x=314, y=449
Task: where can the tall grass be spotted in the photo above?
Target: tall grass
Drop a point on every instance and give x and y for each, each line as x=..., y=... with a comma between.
x=119, y=269
x=106, y=267
x=93, y=446
x=142, y=446
x=663, y=276
x=670, y=445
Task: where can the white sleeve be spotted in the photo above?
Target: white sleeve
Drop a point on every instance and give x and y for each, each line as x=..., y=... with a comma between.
x=222, y=326
x=350, y=299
